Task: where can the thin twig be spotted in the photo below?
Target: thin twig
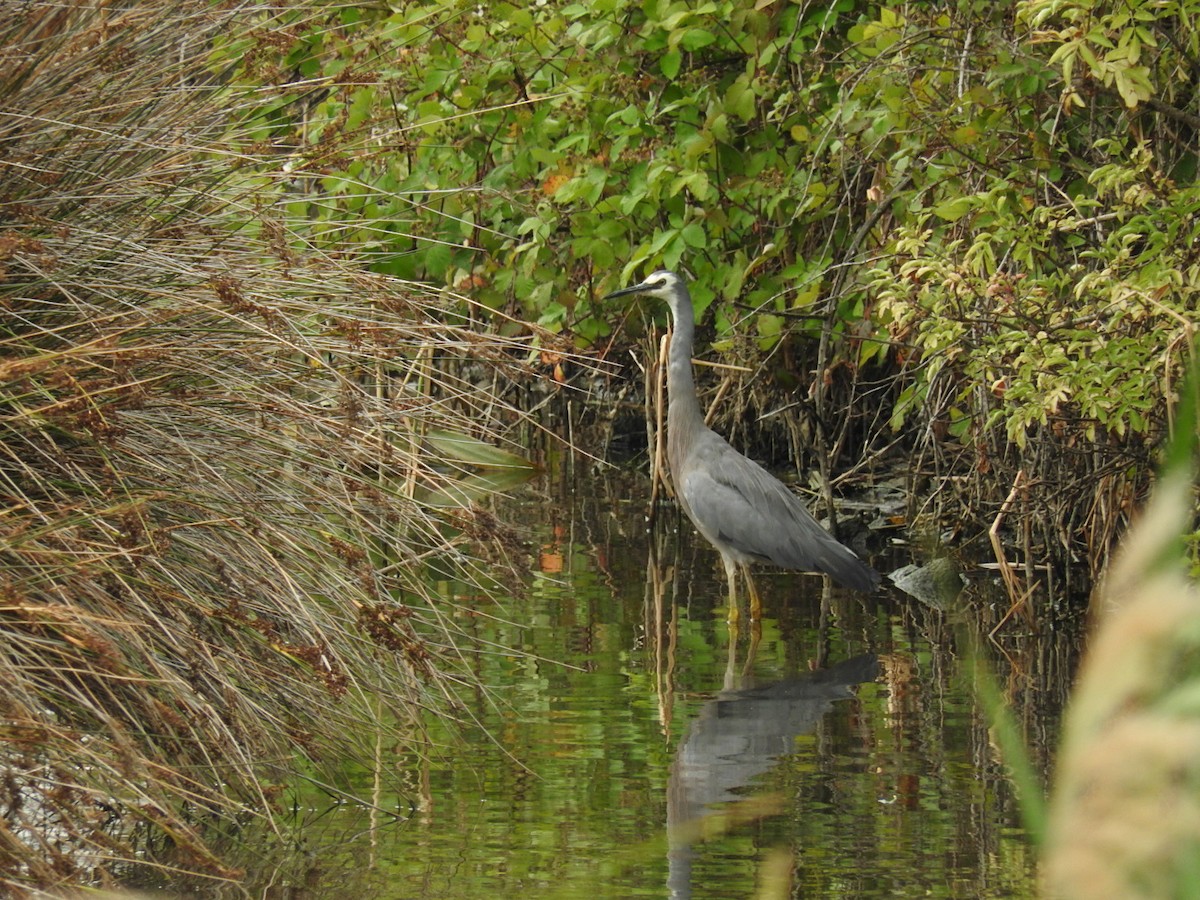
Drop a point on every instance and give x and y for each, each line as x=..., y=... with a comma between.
x=1017, y=594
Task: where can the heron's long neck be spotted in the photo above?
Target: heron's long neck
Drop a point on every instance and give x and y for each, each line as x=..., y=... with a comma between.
x=684, y=417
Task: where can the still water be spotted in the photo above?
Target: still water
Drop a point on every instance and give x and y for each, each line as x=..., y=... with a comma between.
x=634, y=747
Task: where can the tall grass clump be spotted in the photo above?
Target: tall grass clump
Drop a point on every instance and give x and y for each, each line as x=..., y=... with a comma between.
x=213, y=443
x=1125, y=811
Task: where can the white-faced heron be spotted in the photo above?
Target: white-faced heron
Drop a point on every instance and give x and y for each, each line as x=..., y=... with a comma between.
x=743, y=510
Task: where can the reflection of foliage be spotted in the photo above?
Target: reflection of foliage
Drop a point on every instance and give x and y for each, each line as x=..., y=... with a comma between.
x=573, y=799
x=211, y=445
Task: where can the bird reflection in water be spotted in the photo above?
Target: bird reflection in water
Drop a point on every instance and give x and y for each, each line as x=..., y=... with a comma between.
x=738, y=736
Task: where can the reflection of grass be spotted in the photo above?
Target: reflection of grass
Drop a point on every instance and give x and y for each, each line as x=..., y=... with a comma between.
x=1008, y=738
x=210, y=442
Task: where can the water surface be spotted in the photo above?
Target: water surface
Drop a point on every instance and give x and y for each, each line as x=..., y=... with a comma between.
x=839, y=754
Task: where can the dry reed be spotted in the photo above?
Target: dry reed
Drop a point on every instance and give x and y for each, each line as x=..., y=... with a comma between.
x=216, y=565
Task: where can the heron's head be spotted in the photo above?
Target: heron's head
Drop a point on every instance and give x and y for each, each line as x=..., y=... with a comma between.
x=662, y=284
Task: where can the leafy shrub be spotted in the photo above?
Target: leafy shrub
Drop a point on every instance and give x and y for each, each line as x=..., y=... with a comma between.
x=984, y=208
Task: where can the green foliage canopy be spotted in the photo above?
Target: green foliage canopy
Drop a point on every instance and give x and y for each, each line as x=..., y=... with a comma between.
x=991, y=202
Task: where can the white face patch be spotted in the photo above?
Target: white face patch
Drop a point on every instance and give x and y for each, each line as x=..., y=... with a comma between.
x=659, y=282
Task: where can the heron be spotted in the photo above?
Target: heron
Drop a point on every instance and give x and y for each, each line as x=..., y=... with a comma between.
x=743, y=510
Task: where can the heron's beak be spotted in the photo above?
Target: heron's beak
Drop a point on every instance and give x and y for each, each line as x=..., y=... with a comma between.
x=624, y=292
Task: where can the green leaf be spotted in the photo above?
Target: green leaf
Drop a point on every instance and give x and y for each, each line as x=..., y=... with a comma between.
x=954, y=209
x=769, y=326
x=438, y=258
x=694, y=236
x=463, y=493
x=696, y=39
x=461, y=448
x=361, y=107
x=740, y=100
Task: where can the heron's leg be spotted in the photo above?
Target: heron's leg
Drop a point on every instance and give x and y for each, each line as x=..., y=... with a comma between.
x=731, y=568
x=755, y=600
x=752, y=650
x=730, y=681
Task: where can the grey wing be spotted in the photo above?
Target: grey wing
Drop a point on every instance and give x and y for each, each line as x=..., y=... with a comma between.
x=736, y=502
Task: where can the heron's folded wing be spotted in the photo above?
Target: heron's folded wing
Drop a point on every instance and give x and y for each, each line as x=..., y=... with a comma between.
x=736, y=501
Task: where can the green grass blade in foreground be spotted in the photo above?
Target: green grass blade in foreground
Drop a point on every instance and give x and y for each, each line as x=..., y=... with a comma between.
x=1031, y=792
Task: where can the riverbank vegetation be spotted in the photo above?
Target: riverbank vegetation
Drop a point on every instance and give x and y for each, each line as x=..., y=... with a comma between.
x=255, y=260
x=962, y=232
